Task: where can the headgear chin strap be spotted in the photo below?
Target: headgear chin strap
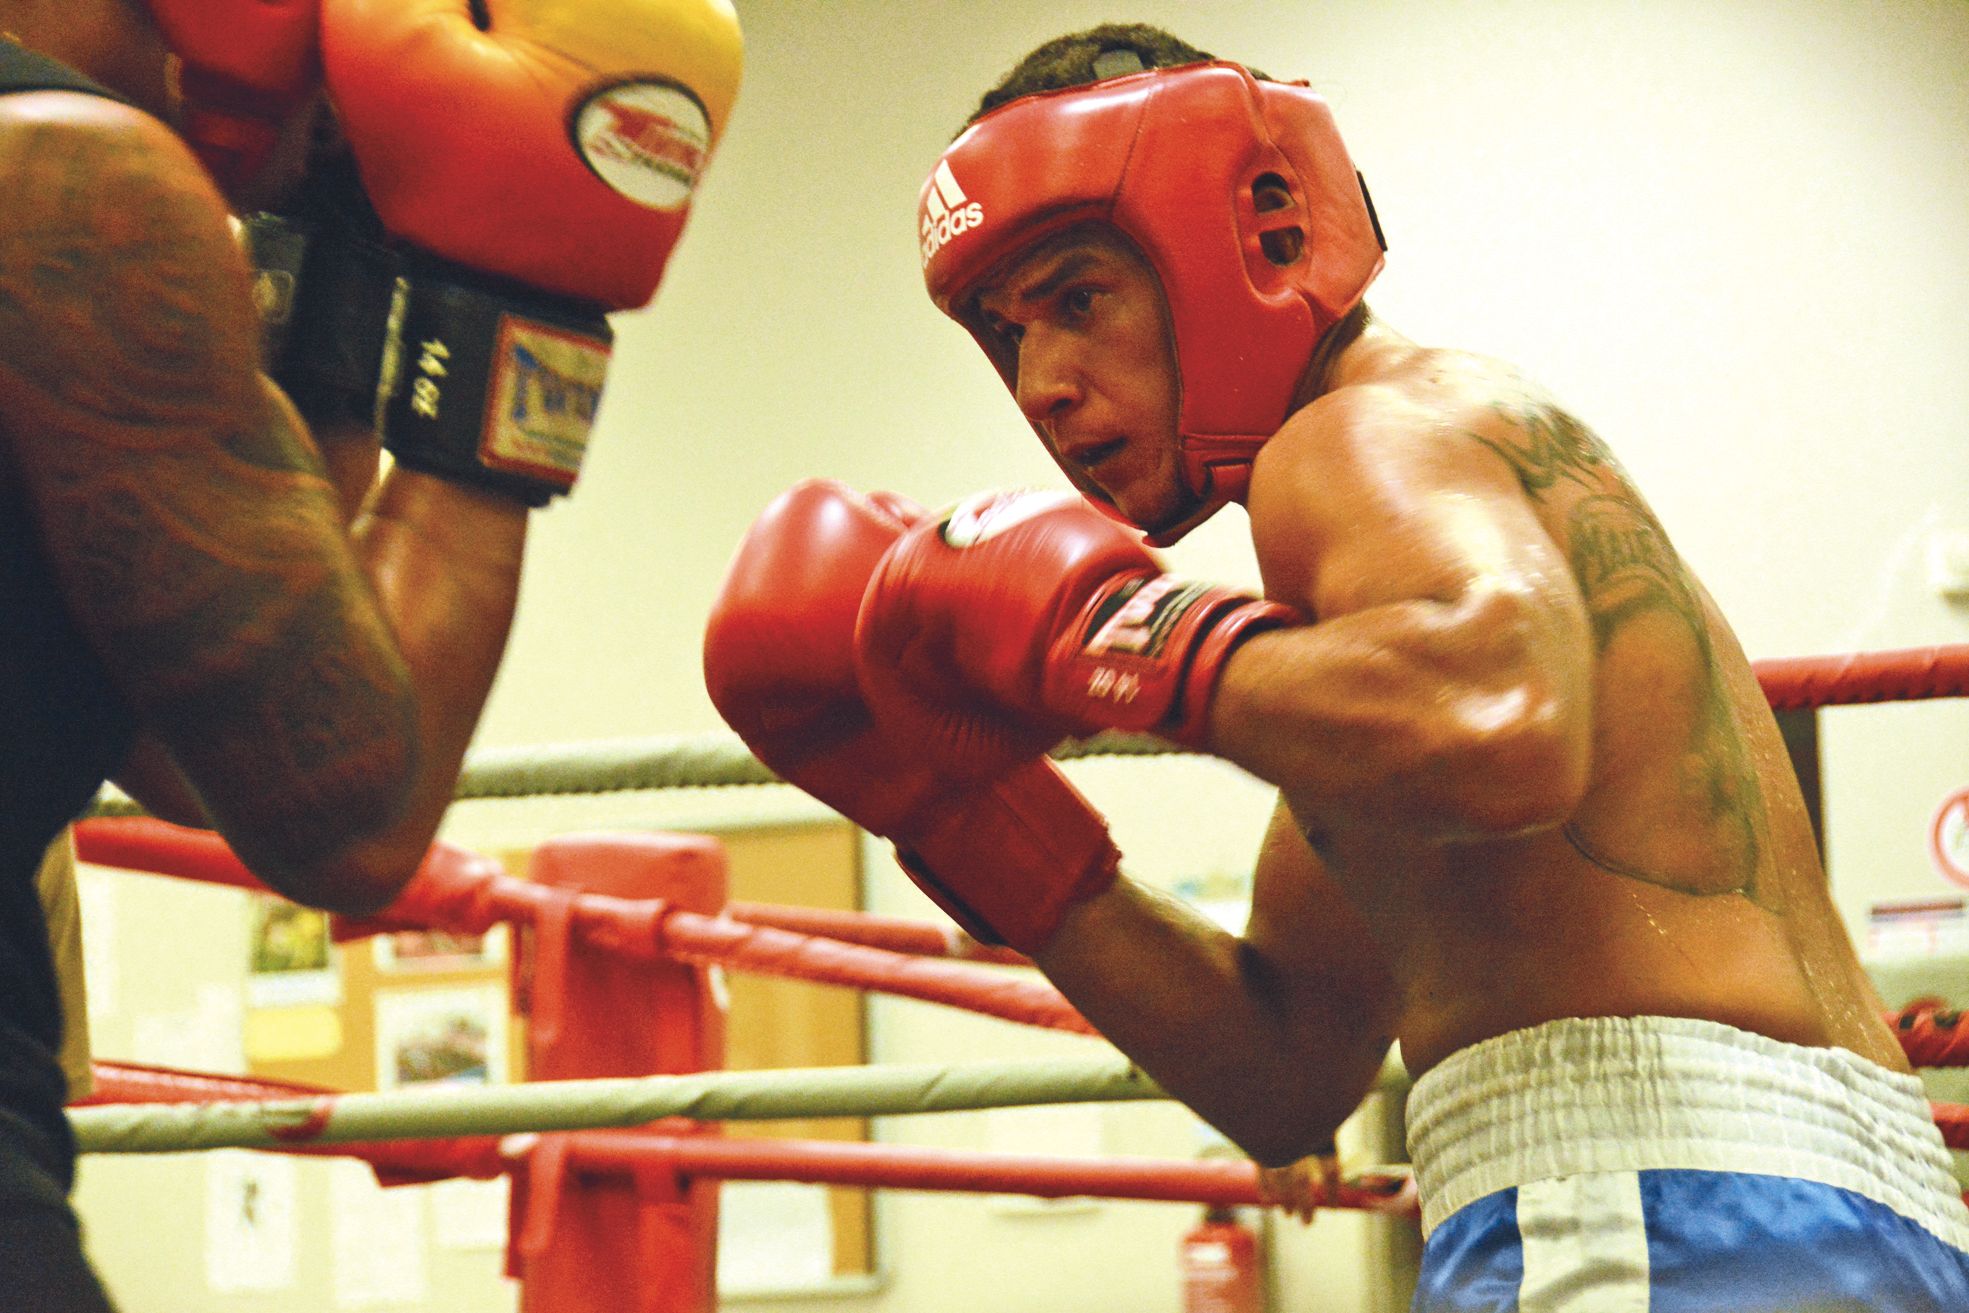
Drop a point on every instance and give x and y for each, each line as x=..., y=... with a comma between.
x=1176, y=159
x=248, y=64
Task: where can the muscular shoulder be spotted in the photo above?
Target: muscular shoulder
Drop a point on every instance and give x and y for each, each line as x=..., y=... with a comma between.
x=44, y=134
x=1396, y=472
x=1405, y=425
x=104, y=171
x=1421, y=394
x=120, y=258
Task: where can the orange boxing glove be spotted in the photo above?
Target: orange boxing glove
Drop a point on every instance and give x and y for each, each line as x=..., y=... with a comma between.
x=508, y=184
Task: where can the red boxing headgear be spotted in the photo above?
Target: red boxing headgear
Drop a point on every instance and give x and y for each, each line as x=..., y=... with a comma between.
x=1170, y=157
x=248, y=64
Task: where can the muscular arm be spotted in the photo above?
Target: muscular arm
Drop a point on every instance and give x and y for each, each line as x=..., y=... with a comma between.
x=1272, y=1037
x=148, y=773
x=197, y=535
x=1443, y=691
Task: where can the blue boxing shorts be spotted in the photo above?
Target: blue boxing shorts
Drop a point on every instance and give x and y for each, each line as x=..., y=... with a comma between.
x=1669, y=1165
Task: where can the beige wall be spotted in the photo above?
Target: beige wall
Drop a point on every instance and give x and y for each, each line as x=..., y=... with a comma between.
x=1735, y=238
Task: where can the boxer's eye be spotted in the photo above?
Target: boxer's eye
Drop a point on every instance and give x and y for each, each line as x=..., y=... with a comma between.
x=1006, y=333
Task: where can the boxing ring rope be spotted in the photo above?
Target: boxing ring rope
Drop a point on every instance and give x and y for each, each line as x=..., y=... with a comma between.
x=316, y=1118
x=814, y=1162
x=462, y=891
x=720, y=760
x=895, y=933
x=430, y=1134
x=833, y=1162
x=1903, y=675
x=568, y=1105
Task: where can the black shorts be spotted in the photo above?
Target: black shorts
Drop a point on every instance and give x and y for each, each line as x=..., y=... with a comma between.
x=42, y=1267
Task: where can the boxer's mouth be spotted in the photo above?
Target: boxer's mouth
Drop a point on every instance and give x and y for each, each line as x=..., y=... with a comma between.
x=1094, y=455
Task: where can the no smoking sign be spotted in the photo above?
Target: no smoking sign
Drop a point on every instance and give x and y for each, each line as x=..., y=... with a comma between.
x=1948, y=838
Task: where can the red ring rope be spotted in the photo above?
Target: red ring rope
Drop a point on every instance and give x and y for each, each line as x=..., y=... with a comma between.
x=914, y=1167
x=459, y=890
x=1906, y=675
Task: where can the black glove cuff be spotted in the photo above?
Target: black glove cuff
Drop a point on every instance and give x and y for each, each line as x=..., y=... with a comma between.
x=464, y=376
x=324, y=302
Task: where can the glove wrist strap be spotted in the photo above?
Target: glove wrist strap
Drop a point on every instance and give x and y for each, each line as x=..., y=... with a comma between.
x=1146, y=652
x=463, y=376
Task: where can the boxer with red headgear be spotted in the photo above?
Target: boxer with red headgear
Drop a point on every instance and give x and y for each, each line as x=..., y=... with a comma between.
x=208, y=593
x=1237, y=192
x=1536, y=820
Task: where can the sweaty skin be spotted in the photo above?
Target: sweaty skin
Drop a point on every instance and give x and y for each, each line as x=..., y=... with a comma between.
x=1525, y=770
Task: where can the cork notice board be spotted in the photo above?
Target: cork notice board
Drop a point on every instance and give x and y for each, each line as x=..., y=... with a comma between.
x=377, y=1014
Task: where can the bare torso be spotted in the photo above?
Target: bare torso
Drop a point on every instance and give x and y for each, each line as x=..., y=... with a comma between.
x=1687, y=881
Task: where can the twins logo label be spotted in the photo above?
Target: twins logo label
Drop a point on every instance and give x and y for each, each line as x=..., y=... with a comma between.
x=545, y=388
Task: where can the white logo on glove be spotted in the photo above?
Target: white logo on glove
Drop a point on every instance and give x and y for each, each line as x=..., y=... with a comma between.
x=988, y=514
x=1116, y=685
x=648, y=140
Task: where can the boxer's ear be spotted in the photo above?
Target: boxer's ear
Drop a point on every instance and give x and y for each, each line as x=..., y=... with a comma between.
x=1270, y=193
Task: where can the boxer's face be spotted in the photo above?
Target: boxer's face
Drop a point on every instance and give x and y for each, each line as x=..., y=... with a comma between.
x=1080, y=324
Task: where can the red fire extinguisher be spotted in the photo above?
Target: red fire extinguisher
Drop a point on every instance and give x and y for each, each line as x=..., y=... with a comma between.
x=1222, y=1268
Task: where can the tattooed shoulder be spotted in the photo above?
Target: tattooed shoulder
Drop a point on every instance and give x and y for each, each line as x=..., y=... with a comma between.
x=1542, y=442
x=123, y=294
x=186, y=510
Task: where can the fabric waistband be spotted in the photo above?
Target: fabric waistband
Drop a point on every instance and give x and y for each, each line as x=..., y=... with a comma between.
x=1613, y=1094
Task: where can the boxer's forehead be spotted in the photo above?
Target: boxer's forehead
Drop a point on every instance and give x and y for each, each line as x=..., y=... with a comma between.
x=1034, y=272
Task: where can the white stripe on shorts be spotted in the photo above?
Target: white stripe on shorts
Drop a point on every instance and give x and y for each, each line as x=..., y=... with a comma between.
x=1585, y=1245
x=1585, y=1096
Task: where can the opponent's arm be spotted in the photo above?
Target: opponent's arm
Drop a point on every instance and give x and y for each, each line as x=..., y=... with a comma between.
x=187, y=516
x=444, y=561
x=1273, y=1036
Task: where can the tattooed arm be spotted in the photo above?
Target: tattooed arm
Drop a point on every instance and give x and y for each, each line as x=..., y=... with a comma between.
x=316, y=687
x=149, y=774
x=1445, y=691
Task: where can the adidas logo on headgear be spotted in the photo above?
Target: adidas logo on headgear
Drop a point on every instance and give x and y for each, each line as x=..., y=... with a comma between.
x=947, y=211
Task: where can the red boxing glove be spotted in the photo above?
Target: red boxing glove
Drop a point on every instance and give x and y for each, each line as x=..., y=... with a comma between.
x=1021, y=618
x=1005, y=857
x=244, y=67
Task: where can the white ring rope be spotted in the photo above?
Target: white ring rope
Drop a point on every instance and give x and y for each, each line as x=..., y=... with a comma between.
x=568, y=1105
x=624, y=765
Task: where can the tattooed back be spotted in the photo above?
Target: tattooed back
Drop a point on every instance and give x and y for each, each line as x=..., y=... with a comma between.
x=1685, y=879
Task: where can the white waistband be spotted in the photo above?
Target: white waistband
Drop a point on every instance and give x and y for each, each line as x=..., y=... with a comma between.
x=1610, y=1094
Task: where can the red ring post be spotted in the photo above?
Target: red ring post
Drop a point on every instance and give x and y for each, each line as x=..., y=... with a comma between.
x=644, y=1242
